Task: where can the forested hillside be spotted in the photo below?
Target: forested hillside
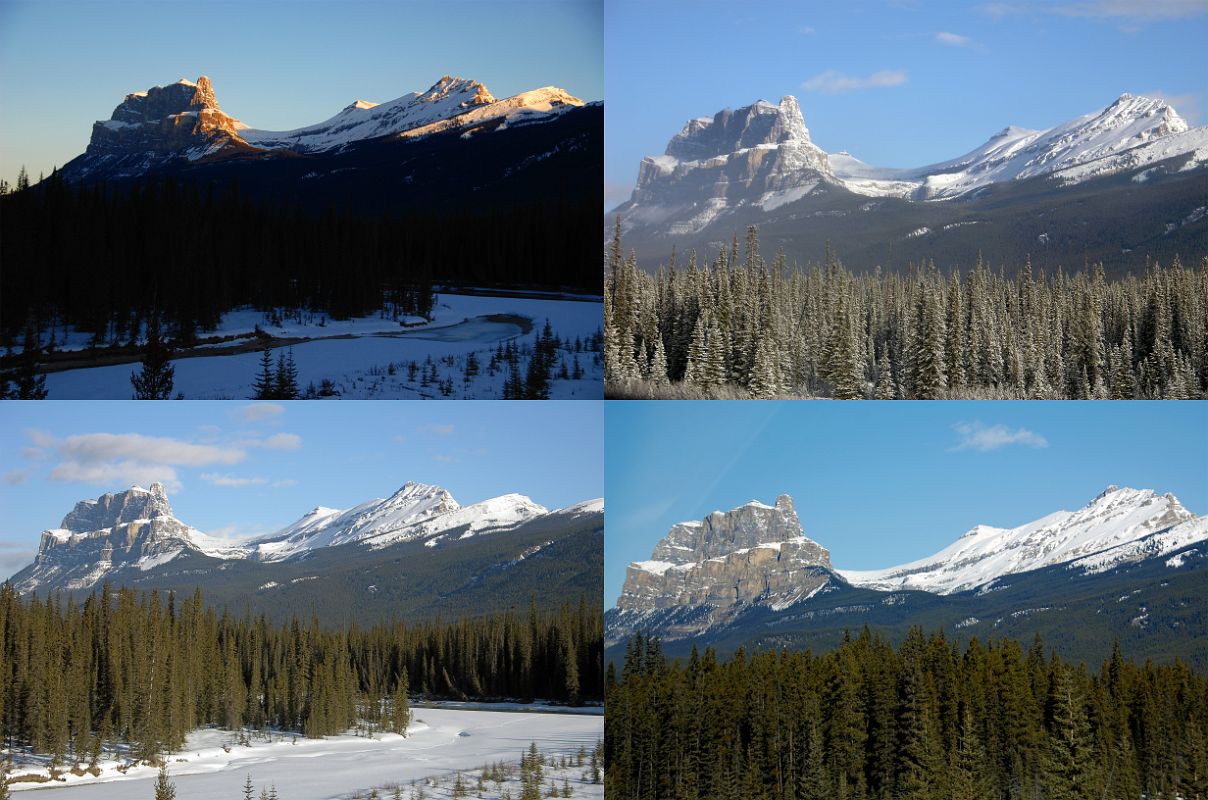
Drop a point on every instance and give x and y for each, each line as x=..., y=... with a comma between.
x=147, y=668
x=739, y=326
x=929, y=720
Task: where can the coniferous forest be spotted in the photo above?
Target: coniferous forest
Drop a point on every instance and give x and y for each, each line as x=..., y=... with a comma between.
x=929, y=720
x=739, y=326
x=106, y=260
x=146, y=669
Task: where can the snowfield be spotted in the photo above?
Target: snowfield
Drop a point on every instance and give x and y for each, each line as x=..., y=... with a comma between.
x=439, y=742
x=367, y=357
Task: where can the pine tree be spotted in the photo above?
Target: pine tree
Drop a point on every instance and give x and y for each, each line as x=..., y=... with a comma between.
x=285, y=381
x=266, y=380
x=249, y=791
x=154, y=382
x=164, y=788
x=29, y=384
x=1070, y=765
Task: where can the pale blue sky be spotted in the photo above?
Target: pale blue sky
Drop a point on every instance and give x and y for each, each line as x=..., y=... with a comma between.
x=236, y=468
x=275, y=64
x=898, y=83
x=880, y=484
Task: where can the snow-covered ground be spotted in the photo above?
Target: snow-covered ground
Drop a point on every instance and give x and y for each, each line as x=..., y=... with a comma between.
x=369, y=357
x=439, y=743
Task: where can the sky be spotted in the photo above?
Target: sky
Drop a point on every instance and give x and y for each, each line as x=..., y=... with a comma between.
x=880, y=484
x=898, y=83
x=236, y=469
x=274, y=64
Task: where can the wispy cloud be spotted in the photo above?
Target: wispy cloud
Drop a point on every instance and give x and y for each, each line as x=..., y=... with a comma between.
x=16, y=476
x=806, y=30
x=14, y=556
x=284, y=484
x=445, y=459
x=438, y=430
x=954, y=39
x=283, y=441
x=1116, y=11
x=231, y=481
x=834, y=82
x=128, y=458
x=985, y=438
x=259, y=412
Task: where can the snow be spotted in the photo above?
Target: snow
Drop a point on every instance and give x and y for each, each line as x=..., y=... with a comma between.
x=771, y=201
x=356, y=354
x=655, y=567
x=1131, y=132
x=586, y=507
x=439, y=740
x=1118, y=526
x=450, y=103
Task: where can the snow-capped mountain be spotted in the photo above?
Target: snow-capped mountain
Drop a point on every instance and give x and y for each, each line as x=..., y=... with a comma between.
x=1114, y=186
x=122, y=534
x=182, y=123
x=122, y=530
x=1118, y=526
x=1129, y=132
x=760, y=155
x=416, y=511
x=753, y=568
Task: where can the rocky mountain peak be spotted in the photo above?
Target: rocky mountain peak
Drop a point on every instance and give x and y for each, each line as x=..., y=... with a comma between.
x=467, y=92
x=754, y=553
x=118, y=508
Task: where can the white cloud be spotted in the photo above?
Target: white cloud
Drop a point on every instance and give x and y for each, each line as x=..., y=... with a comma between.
x=985, y=438
x=806, y=30
x=954, y=39
x=231, y=481
x=1188, y=105
x=116, y=473
x=439, y=430
x=1133, y=9
x=97, y=447
x=444, y=459
x=282, y=441
x=16, y=476
x=399, y=439
x=258, y=412
x=14, y=556
x=284, y=484
x=834, y=82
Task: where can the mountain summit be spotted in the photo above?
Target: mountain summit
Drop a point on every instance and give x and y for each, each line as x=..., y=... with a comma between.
x=181, y=123
x=760, y=155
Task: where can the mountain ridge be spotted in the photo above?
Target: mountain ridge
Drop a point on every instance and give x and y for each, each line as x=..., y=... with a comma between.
x=136, y=530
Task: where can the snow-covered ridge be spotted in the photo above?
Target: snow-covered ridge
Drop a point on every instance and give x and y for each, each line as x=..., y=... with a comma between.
x=136, y=529
x=1131, y=132
x=449, y=103
x=1118, y=526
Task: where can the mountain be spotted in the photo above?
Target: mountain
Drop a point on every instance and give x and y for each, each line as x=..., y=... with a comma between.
x=1126, y=178
x=1129, y=565
x=417, y=550
x=453, y=145
x=1119, y=525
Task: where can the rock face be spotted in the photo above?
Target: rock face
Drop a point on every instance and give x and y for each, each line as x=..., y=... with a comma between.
x=181, y=120
x=97, y=537
x=759, y=155
x=177, y=125
x=753, y=554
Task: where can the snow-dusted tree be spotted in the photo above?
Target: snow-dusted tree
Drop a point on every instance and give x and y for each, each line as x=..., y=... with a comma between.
x=154, y=381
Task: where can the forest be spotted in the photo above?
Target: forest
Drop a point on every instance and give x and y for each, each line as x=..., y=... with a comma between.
x=145, y=669
x=926, y=721
x=738, y=326
x=107, y=260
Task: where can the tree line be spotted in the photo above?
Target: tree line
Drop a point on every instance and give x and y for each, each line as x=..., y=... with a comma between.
x=739, y=326
x=146, y=669
x=991, y=721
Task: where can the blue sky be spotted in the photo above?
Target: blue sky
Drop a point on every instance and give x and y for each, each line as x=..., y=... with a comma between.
x=235, y=469
x=897, y=83
x=880, y=484
x=275, y=64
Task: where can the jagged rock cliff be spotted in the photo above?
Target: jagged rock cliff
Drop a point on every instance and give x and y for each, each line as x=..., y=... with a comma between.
x=712, y=570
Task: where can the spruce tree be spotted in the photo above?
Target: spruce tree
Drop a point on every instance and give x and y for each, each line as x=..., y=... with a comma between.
x=285, y=381
x=266, y=381
x=164, y=788
x=154, y=382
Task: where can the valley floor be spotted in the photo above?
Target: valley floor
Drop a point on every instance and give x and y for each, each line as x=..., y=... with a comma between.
x=440, y=742
x=369, y=357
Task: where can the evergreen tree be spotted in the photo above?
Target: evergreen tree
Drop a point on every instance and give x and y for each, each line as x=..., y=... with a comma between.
x=266, y=380
x=164, y=788
x=154, y=382
x=29, y=384
x=285, y=381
